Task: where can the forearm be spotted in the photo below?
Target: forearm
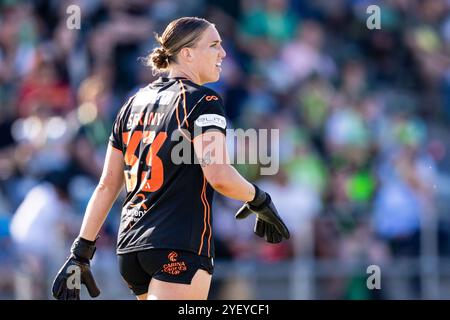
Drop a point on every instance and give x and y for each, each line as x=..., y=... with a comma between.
x=231, y=184
x=97, y=210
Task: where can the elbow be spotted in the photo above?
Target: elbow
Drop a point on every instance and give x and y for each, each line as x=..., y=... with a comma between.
x=219, y=180
x=109, y=186
x=218, y=186
x=102, y=186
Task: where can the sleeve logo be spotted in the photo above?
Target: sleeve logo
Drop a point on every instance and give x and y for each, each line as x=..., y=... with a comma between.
x=211, y=120
x=209, y=98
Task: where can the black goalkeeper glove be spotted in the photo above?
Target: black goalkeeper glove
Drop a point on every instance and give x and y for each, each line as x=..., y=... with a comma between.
x=76, y=271
x=268, y=223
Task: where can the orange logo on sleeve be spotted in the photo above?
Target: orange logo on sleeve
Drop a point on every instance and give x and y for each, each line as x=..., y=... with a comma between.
x=209, y=98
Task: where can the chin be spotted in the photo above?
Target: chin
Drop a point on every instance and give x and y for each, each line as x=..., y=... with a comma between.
x=215, y=78
x=211, y=79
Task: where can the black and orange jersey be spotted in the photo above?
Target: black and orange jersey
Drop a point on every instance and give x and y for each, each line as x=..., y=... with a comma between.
x=168, y=201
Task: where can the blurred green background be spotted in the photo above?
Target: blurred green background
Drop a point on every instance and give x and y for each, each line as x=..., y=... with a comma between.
x=363, y=116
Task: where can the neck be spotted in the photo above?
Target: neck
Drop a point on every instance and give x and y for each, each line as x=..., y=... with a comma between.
x=186, y=73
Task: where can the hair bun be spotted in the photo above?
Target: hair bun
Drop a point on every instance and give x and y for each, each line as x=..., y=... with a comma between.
x=159, y=58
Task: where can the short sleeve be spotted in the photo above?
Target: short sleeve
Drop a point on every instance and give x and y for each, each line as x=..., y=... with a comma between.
x=117, y=128
x=209, y=114
x=116, y=134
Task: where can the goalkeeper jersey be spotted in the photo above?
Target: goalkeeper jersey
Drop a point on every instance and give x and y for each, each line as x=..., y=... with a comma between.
x=168, y=202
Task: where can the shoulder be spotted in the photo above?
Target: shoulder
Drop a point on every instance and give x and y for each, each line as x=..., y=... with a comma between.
x=197, y=93
x=125, y=107
x=211, y=95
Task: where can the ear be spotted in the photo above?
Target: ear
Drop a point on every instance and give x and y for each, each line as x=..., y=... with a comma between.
x=187, y=54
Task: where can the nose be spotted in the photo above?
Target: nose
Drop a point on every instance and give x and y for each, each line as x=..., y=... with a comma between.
x=223, y=53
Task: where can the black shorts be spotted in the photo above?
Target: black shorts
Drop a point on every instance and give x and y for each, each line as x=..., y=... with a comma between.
x=178, y=266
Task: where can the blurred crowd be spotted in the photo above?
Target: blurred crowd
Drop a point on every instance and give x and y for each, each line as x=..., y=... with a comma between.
x=362, y=115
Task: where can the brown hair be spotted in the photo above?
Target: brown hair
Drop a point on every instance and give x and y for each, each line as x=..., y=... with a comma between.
x=181, y=33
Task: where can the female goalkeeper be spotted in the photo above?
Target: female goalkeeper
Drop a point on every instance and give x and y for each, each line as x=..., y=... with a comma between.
x=165, y=243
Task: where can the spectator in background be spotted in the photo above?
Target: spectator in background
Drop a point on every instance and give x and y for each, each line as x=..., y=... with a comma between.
x=37, y=227
x=43, y=88
x=300, y=205
x=303, y=56
x=403, y=200
x=271, y=22
x=363, y=114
